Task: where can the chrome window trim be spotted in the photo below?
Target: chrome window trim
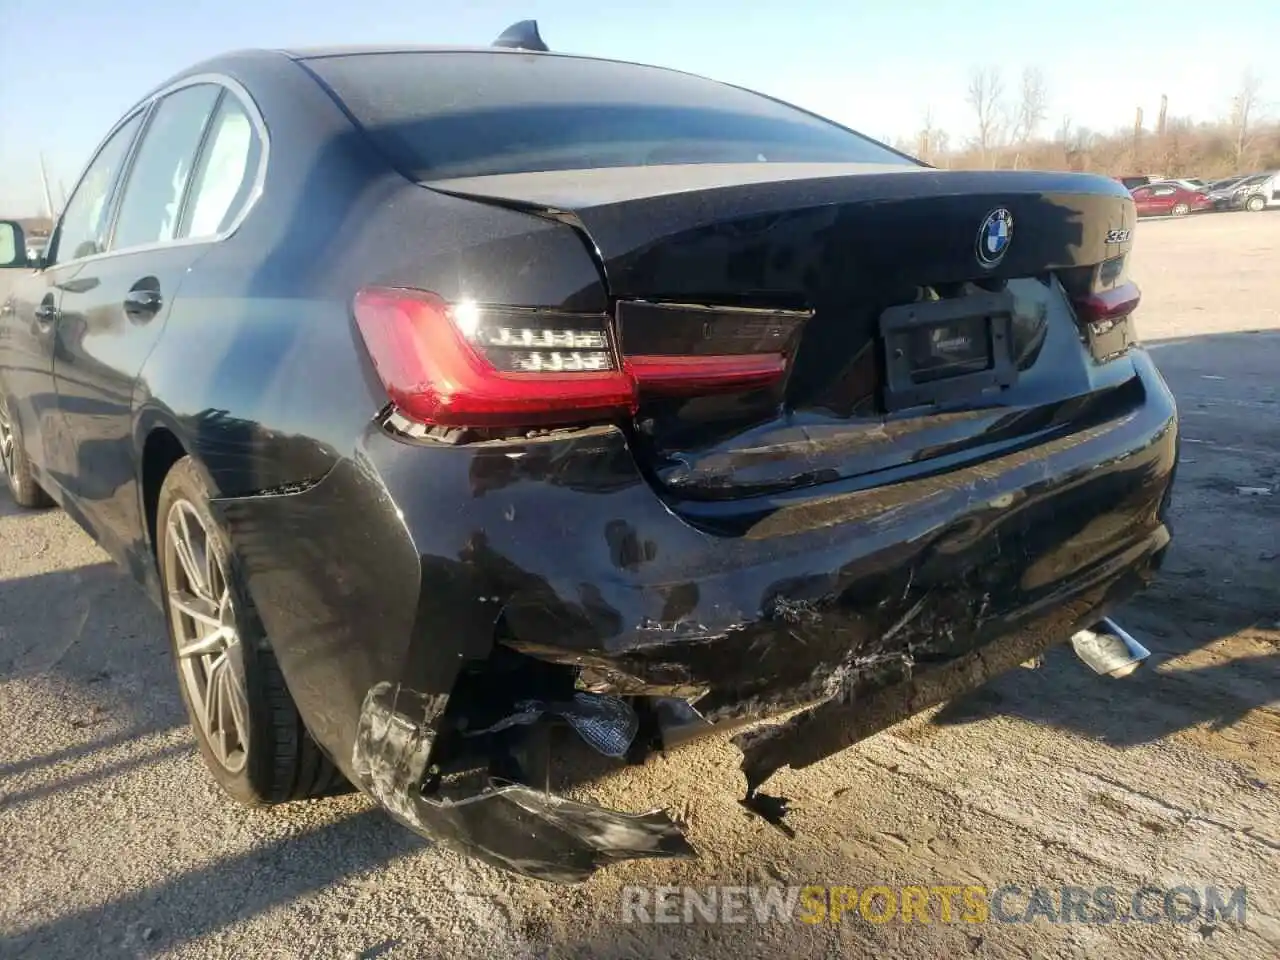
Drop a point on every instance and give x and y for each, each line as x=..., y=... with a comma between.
x=140, y=111
x=250, y=107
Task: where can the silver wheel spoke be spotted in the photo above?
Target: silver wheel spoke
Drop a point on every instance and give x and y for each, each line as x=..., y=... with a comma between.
x=195, y=569
x=197, y=608
x=211, y=576
x=182, y=549
x=213, y=707
x=6, y=446
x=239, y=707
x=212, y=643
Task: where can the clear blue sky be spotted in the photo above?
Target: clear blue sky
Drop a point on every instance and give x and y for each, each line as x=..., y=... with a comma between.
x=71, y=67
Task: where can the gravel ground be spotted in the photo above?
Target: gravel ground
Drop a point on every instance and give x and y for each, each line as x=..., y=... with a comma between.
x=114, y=842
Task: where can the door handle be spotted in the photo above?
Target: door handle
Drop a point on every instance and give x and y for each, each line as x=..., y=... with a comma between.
x=46, y=314
x=142, y=304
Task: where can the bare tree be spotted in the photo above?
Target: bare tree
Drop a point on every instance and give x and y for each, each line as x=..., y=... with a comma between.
x=986, y=92
x=1244, y=109
x=929, y=136
x=1033, y=104
x=941, y=146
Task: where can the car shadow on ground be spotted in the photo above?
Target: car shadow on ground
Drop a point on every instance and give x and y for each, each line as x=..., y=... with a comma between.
x=89, y=631
x=91, y=635
x=88, y=634
x=199, y=902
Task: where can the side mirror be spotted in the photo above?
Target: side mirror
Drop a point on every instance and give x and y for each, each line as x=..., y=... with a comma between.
x=13, y=246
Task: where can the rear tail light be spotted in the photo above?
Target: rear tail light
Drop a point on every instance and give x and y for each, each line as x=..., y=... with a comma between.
x=1103, y=316
x=1109, y=306
x=678, y=349
x=471, y=365
x=467, y=365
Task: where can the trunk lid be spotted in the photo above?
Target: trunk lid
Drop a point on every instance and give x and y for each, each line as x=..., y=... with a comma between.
x=938, y=323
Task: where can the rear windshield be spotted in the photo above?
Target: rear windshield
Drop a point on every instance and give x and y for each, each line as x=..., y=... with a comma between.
x=443, y=114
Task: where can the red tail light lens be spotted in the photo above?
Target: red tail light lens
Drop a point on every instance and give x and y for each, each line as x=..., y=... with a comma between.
x=676, y=349
x=1109, y=305
x=478, y=366
x=684, y=376
x=472, y=365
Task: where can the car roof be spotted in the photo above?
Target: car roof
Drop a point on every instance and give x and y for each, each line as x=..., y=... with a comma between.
x=351, y=50
x=346, y=50
x=229, y=59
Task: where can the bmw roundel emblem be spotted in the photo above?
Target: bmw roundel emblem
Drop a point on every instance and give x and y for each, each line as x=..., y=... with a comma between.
x=994, y=237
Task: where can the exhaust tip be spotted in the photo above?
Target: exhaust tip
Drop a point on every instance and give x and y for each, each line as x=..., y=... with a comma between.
x=1108, y=649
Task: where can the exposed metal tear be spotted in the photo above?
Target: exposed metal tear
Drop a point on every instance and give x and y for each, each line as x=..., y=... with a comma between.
x=606, y=724
x=849, y=715
x=291, y=488
x=509, y=825
x=396, y=732
x=906, y=618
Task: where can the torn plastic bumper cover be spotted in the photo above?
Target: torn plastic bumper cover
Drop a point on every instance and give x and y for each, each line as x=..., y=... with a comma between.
x=510, y=825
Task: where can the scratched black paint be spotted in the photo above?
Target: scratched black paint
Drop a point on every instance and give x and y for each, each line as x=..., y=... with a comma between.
x=799, y=549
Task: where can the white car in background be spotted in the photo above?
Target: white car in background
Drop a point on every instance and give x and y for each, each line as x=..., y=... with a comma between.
x=1258, y=192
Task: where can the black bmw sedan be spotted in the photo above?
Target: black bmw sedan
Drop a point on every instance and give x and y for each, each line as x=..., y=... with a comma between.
x=457, y=404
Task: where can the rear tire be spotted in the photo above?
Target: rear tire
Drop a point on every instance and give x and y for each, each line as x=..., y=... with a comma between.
x=1255, y=204
x=17, y=468
x=1181, y=209
x=248, y=729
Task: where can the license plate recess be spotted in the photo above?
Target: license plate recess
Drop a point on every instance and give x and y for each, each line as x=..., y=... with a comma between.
x=940, y=351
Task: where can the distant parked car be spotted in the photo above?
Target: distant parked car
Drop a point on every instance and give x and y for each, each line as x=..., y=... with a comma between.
x=1220, y=191
x=1132, y=183
x=1258, y=192
x=1224, y=183
x=1169, y=199
x=1191, y=183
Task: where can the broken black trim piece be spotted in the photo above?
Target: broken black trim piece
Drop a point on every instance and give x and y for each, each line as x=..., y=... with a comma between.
x=510, y=825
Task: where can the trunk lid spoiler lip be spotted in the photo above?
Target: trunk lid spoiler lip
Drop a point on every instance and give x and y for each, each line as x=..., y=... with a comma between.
x=817, y=184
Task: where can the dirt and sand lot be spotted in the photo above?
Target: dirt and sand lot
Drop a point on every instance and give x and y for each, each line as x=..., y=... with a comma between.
x=114, y=842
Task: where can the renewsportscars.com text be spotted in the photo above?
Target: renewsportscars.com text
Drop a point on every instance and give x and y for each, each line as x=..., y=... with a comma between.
x=1010, y=903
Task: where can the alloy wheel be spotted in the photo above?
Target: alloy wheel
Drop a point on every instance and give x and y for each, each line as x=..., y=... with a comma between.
x=206, y=636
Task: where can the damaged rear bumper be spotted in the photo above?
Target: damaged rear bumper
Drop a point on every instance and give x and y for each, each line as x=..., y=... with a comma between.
x=511, y=825
x=847, y=611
